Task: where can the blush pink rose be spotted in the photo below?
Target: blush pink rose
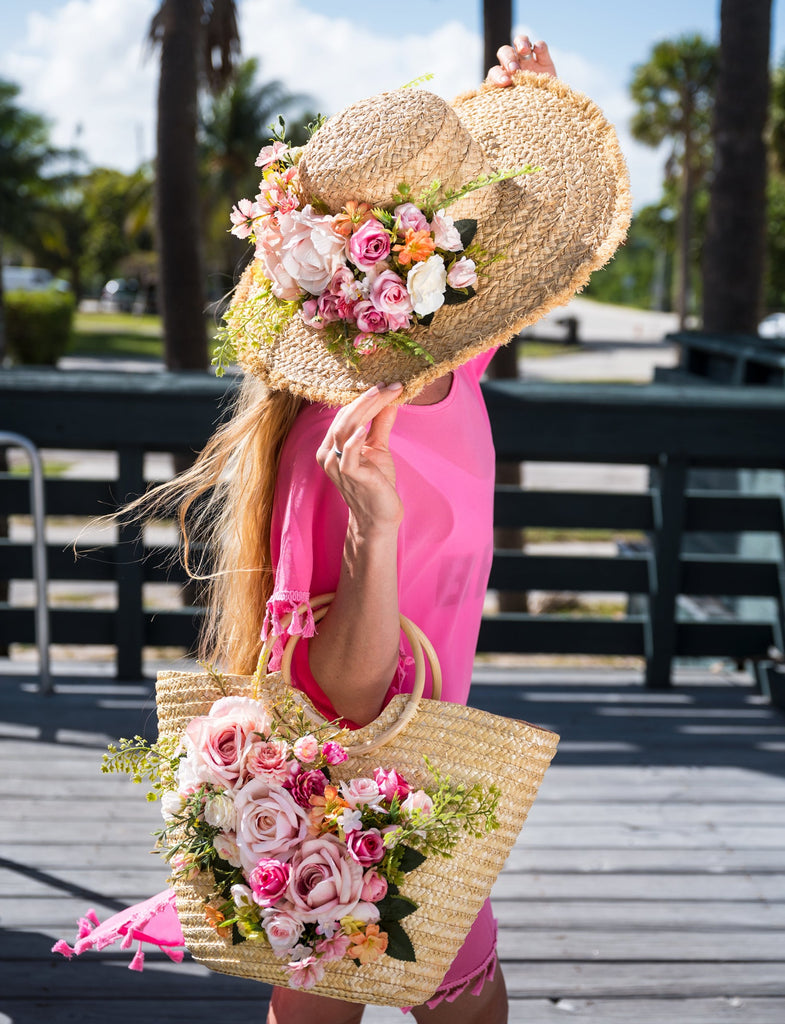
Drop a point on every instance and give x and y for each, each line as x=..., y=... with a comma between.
x=365, y=344
x=310, y=252
x=369, y=319
x=462, y=274
x=267, y=758
x=374, y=886
x=310, y=314
x=359, y=792
x=269, y=250
x=325, y=884
x=334, y=753
x=269, y=880
x=306, y=748
x=366, y=847
x=391, y=784
x=389, y=294
x=269, y=823
x=282, y=929
x=417, y=801
x=369, y=244
x=328, y=307
x=445, y=233
x=411, y=216
x=216, y=741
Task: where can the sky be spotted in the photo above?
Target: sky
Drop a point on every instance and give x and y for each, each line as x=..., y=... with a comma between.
x=84, y=65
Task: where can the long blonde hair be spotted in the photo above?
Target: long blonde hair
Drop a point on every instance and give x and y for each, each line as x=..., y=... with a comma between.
x=224, y=506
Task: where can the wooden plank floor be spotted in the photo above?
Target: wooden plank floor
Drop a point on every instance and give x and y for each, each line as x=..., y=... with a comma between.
x=648, y=884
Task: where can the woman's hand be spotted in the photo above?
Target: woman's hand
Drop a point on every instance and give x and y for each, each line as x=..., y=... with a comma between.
x=521, y=56
x=358, y=460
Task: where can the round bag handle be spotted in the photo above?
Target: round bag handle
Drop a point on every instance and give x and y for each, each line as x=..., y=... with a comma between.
x=422, y=650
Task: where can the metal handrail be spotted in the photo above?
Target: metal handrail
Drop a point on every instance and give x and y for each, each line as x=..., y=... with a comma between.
x=37, y=504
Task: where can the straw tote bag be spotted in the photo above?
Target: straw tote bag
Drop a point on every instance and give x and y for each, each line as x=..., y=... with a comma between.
x=468, y=745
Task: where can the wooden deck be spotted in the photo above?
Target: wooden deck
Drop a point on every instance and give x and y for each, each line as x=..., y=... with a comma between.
x=647, y=886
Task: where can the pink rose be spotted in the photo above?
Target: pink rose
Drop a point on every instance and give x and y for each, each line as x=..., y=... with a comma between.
x=367, y=912
x=305, y=973
x=389, y=294
x=346, y=284
x=445, y=233
x=417, y=801
x=462, y=274
x=270, y=823
x=366, y=847
x=267, y=758
x=411, y=216
x=283, y=930
x=328, y=306
x=333, y=752
x=369, y=319
x=303, y=785
x=365, y=344
x=269, y=249
x=325, y=884
x=269, y=880
x=374, y=886
x=369, y=244
x=310, y=251
x=216, y=741
x=359, y=792
x=391, y=784
x=306, y=748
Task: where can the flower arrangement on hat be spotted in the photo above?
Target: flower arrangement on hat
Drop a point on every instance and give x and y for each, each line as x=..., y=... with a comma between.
x=364, y=276
x=311, y=867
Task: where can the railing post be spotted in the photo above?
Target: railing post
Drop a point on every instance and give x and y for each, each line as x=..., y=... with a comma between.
x=129, y=621
x=669, y=506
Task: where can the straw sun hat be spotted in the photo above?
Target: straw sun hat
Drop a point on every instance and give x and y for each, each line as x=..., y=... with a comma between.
x=552, y=227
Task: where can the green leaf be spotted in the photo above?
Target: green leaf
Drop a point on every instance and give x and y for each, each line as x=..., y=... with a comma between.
x=411, y=859
x=237, y=938
x=425, y=321
x=467, y=228
x=395, y=908
x=455, y=296
x=399, y=945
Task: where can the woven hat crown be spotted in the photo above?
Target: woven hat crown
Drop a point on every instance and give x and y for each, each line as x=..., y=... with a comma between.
x=366, y=151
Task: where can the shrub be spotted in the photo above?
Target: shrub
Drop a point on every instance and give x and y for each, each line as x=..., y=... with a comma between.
x=38, y=326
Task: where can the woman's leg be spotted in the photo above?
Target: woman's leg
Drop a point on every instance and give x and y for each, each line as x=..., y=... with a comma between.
x=291, y=1006
x=489, y=1007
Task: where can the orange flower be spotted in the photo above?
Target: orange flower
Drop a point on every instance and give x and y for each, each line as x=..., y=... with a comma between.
x=329, y=805
x=370, y=946
x=418, y=246
x=214, y=918
x=351, y=217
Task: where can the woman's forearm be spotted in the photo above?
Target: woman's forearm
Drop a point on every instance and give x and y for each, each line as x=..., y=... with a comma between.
x=354, y=655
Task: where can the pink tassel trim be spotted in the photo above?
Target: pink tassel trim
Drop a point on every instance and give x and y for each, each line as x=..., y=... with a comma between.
x=281, y=604
x=130, y=926
x=472, y=982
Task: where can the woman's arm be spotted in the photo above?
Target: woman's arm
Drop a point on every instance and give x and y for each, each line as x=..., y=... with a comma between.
x=354, y=655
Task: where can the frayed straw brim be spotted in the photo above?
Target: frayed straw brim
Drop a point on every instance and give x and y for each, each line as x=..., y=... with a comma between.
x=554, y=227
x=468, y=745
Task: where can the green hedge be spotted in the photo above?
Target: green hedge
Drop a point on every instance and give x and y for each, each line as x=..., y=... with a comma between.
x=38, y=326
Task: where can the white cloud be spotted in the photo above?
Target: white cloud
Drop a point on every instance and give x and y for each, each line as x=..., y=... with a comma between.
x=84, y=64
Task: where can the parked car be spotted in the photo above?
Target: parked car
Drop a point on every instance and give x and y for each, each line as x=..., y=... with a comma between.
x=119, y=295
x=31, y=279
x=773, y=326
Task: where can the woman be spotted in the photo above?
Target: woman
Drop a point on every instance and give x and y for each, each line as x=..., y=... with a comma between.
x=389, y=505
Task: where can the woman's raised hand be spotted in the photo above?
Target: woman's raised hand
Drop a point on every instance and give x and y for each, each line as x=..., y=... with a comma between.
x=357, y=458
x=523, y=55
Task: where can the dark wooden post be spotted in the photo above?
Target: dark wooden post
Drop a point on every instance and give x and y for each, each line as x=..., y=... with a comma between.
x=129, y=621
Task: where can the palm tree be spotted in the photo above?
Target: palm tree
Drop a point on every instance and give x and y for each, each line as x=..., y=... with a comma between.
x=674, y=91
x=735, y=240
x=199, y=45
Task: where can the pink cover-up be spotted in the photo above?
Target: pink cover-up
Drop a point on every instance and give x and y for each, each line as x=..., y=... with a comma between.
x=444, y=461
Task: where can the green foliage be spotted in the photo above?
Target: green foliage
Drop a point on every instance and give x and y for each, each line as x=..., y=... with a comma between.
x=157, y=762
x=38, y=326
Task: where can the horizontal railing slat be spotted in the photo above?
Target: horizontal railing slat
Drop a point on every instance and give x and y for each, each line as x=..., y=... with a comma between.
x=514, y=507
x=512, y=570
x=89, y=565
x=543, y=634
x=81, y=626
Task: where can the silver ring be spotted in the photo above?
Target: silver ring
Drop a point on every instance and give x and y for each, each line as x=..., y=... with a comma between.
x=337, y=453
x=526, y=56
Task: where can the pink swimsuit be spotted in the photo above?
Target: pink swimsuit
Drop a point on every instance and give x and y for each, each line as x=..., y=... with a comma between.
x=444, y=463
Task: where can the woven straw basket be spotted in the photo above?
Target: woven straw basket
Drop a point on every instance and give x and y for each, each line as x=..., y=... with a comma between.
x=468, y=745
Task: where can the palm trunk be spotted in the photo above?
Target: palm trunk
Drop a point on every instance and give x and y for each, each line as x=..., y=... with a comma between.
x=497, y=29
x=735, y=237
x=177, y=190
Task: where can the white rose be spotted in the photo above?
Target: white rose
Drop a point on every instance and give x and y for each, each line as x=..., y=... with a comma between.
x=367, y=912
x=445, y=234
x=187, y=778
x=282, y=930
x=426, y=283
x=243, y=898
x=219, y=811
x=172, y=804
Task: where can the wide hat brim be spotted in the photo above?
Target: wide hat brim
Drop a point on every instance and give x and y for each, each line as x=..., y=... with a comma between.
x=553, y=228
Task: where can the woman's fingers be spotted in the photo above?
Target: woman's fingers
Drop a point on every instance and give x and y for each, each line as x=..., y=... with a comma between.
x=379, y=434
x=543, y=62
x=523, y=55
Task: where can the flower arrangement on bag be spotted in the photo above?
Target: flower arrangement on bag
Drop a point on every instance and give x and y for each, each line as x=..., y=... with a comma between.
x=311, y=868
x=365, y=277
